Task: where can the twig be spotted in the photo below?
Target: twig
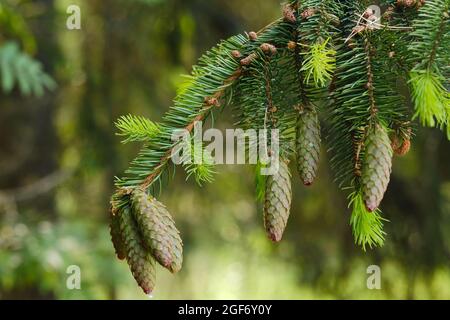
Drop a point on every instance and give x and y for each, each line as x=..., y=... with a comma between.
x=37, y=188
x=385, y=25
x=370, y=24
x=159, y=168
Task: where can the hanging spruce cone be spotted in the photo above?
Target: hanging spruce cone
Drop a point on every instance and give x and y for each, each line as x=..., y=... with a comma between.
x=377, y=167
x=116, y=236
x=277, y=203
x=308, y=146
x=139, y=259
x=158, y=230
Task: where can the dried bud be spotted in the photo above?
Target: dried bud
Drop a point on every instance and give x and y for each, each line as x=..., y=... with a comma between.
x=292, y=45
x=252, y=35
x=408, y=3
x=289, y=14
x=308, y=13
x=248, y=60
x=268, y=48
x=236, y=54
x=404, y=148
x=212, y=102
x=401, y=142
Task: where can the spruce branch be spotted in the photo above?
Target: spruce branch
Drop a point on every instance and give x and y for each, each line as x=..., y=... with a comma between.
x=19, y=69
x=431, y=29
x=299, y=60
x=159, y=164
x=319, y=64
x=367, y=226
x=277, y=79
x=431, y=99
x=211, y=81
x=198, y=163
x=136, y=128
x=365, y=95
x=316, y=36
x=373, y=109
x=432, y=59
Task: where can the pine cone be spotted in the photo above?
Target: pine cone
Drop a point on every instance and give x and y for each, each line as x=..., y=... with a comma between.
x=277, y=203
x=377, y=167
x=308, y=146
x=116, y=236
x=158, y=230
x=141, y=262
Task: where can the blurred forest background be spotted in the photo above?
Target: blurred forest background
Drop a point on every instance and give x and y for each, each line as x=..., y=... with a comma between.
x=59, y=154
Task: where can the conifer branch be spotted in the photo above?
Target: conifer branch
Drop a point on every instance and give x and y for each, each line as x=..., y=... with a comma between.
x=277, y=79
x=298, y=64
x=136, y=128
x=370, y=85
x=431, y=59
x=200, y=117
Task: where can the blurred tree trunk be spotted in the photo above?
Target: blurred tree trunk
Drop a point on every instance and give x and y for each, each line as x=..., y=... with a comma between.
x=32, y=139
x=27, y=131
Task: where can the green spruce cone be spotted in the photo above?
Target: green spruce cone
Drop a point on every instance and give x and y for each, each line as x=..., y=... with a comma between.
x=308, y=146
x=116, y=236
x=139, y=259
x=158, y=230
x=377, y=167
x=277, y=202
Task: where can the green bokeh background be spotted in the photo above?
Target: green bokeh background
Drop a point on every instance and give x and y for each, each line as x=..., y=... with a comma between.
x=128, y=58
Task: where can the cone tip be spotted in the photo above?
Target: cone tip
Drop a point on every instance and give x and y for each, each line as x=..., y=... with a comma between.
x=371, y=207
x=274, y=237
x=174, y=269
x=148, y=291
